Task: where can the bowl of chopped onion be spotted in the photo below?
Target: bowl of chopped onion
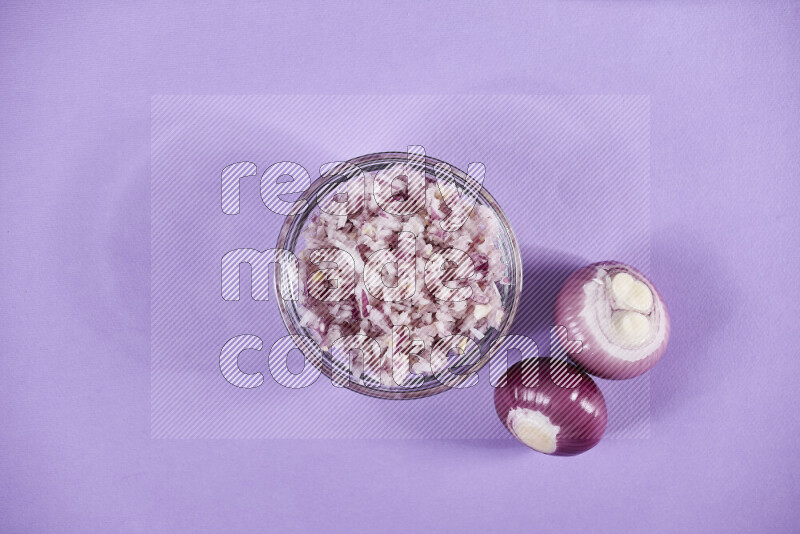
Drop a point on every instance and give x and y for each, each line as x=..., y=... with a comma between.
x=409, y=274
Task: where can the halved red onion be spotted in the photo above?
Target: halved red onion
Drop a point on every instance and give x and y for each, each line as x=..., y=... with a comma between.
x=551, y=406
x=618, y=316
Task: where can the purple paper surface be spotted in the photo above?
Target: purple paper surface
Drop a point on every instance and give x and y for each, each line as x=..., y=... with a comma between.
x=76, y=453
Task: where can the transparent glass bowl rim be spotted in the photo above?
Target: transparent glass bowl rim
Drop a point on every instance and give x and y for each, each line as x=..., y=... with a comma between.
x=306, y=204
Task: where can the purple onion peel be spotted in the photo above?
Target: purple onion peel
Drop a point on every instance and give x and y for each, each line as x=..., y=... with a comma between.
x=551, y=406
x=617, y=315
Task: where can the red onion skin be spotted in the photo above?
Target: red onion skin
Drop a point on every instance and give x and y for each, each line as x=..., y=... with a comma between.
x=572, y=300
x=579, y=411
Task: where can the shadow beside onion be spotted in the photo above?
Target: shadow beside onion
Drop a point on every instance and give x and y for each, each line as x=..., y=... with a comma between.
x=544, y=271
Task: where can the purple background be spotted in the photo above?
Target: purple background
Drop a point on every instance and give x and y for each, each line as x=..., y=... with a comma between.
x=75, y=451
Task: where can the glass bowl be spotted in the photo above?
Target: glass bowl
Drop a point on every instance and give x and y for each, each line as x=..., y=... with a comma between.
x=289, y=239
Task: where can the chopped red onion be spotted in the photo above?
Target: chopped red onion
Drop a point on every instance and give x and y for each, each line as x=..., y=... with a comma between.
x=551, y=406
x=617, y=315
x=368, y=229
